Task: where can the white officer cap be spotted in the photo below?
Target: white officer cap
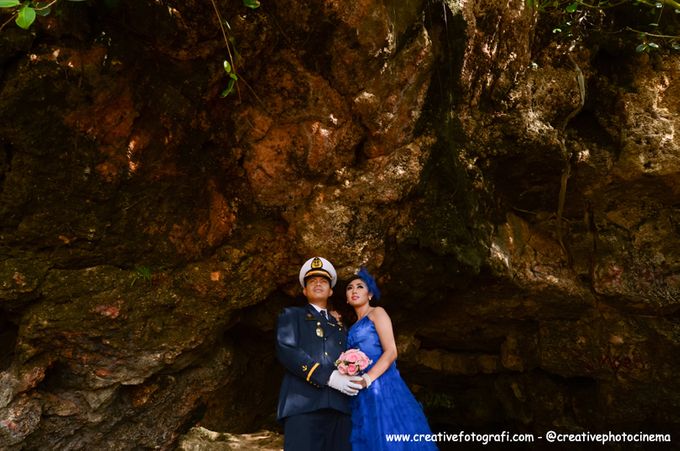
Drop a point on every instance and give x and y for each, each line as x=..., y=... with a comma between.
x=318, y=266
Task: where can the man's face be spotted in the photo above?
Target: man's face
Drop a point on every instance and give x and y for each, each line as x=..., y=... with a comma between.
x=317, y=288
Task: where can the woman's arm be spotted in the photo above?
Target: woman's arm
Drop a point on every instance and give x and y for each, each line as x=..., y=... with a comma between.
x=383, y=325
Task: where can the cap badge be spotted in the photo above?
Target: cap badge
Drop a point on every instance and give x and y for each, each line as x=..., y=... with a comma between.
x=317, y=263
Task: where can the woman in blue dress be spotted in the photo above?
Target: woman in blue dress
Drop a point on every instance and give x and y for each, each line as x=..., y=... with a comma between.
x=386, y=405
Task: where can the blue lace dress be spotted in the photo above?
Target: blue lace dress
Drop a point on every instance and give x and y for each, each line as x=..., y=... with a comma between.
x=387, y=406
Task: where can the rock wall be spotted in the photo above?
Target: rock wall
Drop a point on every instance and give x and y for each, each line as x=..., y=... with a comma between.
x=522, y=224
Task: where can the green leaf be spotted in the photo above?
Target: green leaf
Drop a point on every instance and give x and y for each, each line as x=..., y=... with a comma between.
x=141, y=272
x=571, y=8
x=9, y=3
x=44, y=12
x=227, y=67
x=25, y=17
x=144, y=272
x=252, y=4
x=233, y=76
x=229, y=88
x=653, y=45
x=641, y=48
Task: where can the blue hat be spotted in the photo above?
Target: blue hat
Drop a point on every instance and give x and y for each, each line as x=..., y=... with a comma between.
x=318, y=266
x=371, y=284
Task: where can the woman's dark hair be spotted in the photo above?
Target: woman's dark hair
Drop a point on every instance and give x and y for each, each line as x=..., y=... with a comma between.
x=349, y=316
x=370, y=282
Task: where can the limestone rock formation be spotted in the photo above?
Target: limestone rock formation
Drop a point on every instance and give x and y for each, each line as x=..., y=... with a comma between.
x=523, y=225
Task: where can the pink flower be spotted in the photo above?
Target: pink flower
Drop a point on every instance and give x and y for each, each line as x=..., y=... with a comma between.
x=363, y=362
x=352, y=362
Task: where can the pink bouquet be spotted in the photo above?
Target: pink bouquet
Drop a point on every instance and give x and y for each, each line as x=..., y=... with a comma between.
x=352, y=362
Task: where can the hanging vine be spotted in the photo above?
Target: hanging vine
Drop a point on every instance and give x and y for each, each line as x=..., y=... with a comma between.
x=654, y=23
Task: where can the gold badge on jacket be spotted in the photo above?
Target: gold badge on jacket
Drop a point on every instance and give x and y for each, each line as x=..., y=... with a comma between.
x=319, y=330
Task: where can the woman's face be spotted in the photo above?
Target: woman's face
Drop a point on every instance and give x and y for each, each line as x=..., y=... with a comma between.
x=357, y=293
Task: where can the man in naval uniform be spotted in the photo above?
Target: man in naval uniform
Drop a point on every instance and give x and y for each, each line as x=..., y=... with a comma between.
x=314, y=397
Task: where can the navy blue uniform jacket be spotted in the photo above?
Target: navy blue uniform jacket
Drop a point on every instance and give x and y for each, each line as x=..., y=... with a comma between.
x=308, y=346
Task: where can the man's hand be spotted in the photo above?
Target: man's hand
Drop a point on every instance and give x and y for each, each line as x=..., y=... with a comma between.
x=349, y=385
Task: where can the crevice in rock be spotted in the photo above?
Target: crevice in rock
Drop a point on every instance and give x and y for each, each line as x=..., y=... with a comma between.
x=6, y=156
x=611, y=64
x=455, y=402
x=449, y=40
x=462, y=346
x=245, y=405
x=8, y=338
x=499, y=401
x=359, y=153
x=589, y=128
x=530, y=183
x=57, y=378
x=193, y=418
x=317, y=56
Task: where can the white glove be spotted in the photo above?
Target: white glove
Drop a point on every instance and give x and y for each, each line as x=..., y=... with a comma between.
x=344, y=384
x=368, y=380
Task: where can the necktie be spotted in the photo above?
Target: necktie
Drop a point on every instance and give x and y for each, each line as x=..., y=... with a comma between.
x=323, y=313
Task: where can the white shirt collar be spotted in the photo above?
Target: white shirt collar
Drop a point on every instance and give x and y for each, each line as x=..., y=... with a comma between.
x=318, y=309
